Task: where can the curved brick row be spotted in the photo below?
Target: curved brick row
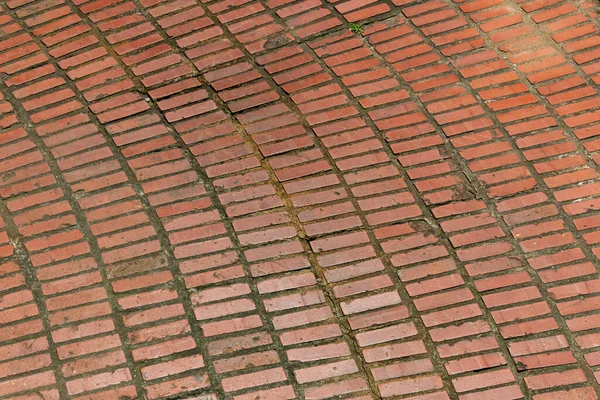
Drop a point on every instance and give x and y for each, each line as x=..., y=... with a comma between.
x=277, y=199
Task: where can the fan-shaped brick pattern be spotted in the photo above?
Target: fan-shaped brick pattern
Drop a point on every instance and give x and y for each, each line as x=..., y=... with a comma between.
x=315, y=199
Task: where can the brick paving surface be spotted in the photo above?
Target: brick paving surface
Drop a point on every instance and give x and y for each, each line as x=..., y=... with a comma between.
x=299, y=199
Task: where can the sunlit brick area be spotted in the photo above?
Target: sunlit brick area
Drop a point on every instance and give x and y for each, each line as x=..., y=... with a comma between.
x=299, y=199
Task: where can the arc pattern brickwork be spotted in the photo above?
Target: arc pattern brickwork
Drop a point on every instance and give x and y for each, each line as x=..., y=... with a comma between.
x=277, y=199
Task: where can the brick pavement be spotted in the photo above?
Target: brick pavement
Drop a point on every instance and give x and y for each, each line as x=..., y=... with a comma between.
x=276, y=199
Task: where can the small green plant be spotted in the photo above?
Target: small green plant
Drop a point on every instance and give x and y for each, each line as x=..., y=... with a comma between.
x=356, y=28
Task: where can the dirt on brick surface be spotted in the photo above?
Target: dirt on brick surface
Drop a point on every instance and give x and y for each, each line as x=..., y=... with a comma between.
x=312, y=199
